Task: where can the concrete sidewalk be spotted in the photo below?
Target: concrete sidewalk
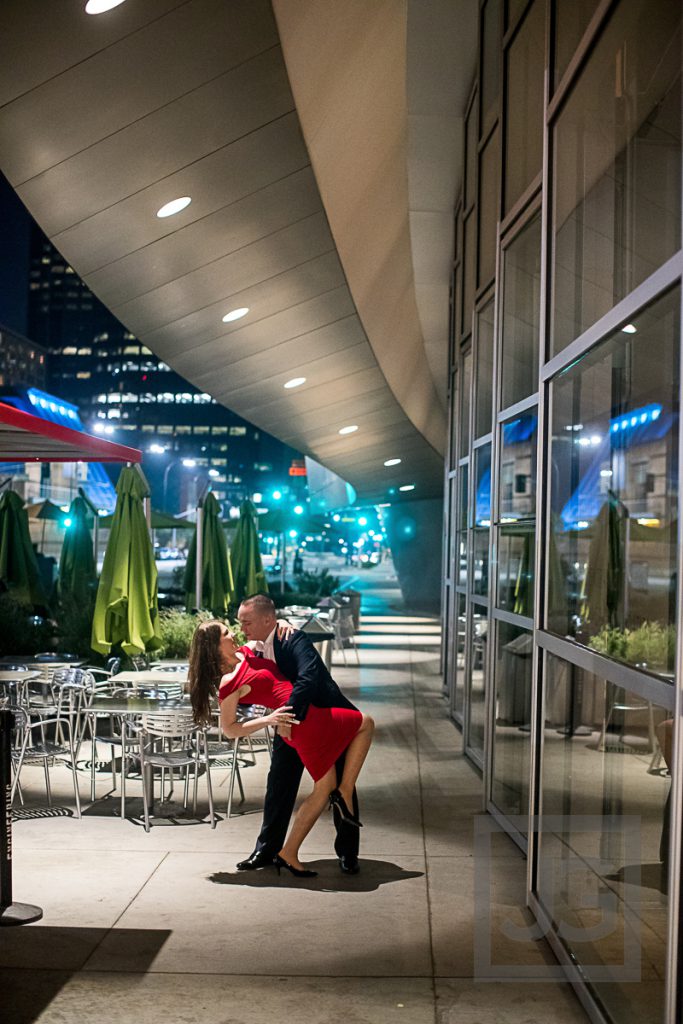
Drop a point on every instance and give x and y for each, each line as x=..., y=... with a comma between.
x=160, y=927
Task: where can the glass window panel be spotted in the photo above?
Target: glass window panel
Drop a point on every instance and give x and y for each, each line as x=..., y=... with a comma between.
x=489, y=203
x=617, y=167
x=521, y=314
x=465, y=388
x=571, y=21
x=461, y=519
x=491, y=45
x=457, y=311
x=470, y=265
x=484, y=371
x=516, y=567
x=614, y=500
x=593, y=791
x=524, y=104
x=461, y=527
x=517, y=488
x=453, y=413
x=480, y=562
x=476, y=713
x=459, y=643
x=461, y=555
x=511, y=747
x=471, y=140
x=482, y=495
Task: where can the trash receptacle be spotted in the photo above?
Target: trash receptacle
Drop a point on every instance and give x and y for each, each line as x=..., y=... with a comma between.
x=352, y=598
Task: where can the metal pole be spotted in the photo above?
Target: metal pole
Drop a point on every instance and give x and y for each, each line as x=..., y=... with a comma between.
x=10, y=913
x=200, y=557
x=282, y=563
x=96, y=538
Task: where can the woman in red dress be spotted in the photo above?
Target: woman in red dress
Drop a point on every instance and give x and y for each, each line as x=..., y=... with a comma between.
x=238, y=676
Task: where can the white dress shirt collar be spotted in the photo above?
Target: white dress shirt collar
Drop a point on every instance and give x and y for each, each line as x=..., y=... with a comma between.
x=266, y=647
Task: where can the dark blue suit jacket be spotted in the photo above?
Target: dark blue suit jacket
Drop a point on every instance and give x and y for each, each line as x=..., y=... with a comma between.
x=298, y=659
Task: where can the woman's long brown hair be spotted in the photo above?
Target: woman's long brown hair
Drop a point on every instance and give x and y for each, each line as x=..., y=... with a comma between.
x=206, y=669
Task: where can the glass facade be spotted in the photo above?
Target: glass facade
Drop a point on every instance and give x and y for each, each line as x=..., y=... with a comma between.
x=563, y=521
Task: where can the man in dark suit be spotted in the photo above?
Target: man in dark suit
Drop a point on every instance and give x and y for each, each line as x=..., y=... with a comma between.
x=297, y=659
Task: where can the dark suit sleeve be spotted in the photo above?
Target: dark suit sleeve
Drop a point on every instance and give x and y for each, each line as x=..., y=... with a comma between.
x=306, y=665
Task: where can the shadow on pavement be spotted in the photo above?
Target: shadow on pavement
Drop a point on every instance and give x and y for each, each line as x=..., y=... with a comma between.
x=373, y=874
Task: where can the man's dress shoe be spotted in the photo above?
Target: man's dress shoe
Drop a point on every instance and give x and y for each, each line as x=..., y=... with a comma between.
x=256, y=860
x=349, y=865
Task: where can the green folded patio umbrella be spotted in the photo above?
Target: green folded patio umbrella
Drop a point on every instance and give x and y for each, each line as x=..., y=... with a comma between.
x=126, y=609
x=77, y=571
x=217, y=582
x=604, y=583
x=18, y=564
x=247, y=567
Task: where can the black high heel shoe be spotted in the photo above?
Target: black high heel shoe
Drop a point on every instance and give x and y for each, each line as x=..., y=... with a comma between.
x=338, y=801
x=297, y=872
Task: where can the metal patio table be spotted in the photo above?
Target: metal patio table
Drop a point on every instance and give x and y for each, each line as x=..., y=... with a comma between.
x=133, y=707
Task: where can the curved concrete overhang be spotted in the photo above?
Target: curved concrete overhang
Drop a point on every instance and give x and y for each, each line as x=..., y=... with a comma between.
x=104, y=119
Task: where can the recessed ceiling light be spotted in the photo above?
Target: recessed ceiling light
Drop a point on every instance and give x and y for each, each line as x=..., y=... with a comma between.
x=175, y=206
x=295, y=382
x=349, y=430
x=629, y=329
x=235, y=314
x=392, y=462
x=100, y=6
x=407, y=487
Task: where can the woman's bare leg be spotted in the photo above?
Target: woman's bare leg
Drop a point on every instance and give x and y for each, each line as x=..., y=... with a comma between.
x=306, y=817
x=356, y=752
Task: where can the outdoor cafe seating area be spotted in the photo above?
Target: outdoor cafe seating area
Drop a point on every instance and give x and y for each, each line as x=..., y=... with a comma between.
x=135, y=729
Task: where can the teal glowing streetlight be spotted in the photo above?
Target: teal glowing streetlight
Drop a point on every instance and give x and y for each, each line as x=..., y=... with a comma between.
x=298, y=510
x=277, y=495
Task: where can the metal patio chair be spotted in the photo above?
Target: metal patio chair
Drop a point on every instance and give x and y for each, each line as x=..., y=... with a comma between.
x=183, y=745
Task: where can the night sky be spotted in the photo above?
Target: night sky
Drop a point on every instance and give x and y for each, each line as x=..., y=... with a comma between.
x=15, y=223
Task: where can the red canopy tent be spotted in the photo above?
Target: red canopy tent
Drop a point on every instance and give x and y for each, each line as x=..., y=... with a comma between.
x=27, y=438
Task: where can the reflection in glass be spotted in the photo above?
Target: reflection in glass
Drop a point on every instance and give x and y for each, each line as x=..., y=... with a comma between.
x=465, y=382
x=571, y=21
x=470, y=266
x=524, y=104
x=593, y=790
x=518, y=467
x=521, y=314
x=477, y=681
x=459, y=645
x=463, y=486
x=490, y=72
x=480, y=562
x=484, y=371
x=516, y=560
x=614, y=492
x=513, y=670
x=617, y=167
x=461, y=523
x=482, y=496
x=489, y=204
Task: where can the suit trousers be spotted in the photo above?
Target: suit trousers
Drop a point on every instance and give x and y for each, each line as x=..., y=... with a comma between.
x=282, y=787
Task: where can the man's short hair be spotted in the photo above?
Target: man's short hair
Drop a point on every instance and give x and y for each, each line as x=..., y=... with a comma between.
x=261, y=603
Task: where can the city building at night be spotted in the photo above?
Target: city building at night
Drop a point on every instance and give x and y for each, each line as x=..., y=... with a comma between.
x=124, y=392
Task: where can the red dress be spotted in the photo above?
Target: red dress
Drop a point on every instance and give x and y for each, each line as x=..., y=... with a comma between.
x=324, y=734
